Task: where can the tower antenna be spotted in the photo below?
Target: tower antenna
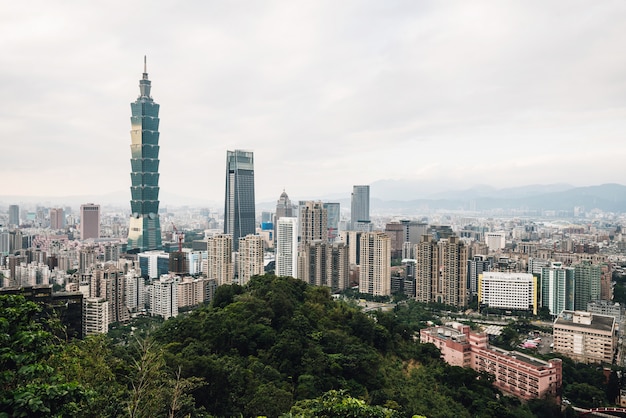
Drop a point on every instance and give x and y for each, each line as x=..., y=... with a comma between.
x=145, y=64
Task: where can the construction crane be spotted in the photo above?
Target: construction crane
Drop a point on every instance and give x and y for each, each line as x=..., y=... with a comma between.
x=180, y=236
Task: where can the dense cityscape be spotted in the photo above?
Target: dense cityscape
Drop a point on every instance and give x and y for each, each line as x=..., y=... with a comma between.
x=512, y=296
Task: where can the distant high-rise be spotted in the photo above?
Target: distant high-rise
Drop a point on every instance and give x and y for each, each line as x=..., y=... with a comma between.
x=557, y=288
x=375, y=270
x=57, y=218
x=313, y=219
x=239, y=212
x=360, y=207
x=144, y=232
x=89, y=221
x=334, y=216
x=587, y=279
x=14, y=215
x=284, y=207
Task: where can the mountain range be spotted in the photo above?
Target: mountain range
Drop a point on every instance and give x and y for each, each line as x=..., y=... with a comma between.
x=404, y=196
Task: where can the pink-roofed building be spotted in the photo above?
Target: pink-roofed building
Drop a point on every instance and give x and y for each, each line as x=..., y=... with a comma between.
x=514, y=373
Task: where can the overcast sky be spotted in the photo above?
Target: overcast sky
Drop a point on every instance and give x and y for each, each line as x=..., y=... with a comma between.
x=326, y=93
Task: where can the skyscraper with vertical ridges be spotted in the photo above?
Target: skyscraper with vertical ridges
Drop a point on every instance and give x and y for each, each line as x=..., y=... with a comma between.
x=144, y=232
x=239, y=213
x=360, y=205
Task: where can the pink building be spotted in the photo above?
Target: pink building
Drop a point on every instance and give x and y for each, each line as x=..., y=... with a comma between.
x=514, y=373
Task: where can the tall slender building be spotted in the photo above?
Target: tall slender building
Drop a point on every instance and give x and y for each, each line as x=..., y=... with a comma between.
x=239, y=215
x=287, y=247
x=360, y=206
x=14, y=215
x=144, y=232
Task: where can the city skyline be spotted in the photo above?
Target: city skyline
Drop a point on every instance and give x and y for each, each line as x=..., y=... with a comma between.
x=505, y=94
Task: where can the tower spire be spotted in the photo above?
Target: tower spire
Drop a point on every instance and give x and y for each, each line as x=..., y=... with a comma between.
x=144, y=83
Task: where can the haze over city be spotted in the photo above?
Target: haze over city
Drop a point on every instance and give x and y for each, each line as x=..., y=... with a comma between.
x=326, y=94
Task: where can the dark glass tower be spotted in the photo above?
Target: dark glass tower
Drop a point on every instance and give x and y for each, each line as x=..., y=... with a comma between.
x=144, y=232
x=239, y=217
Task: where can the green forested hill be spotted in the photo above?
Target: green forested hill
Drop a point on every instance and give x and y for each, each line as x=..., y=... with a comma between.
x=261, y=348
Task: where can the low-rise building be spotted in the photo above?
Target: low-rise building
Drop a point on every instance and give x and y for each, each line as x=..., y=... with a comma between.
x=515, y=373
x=586, y=337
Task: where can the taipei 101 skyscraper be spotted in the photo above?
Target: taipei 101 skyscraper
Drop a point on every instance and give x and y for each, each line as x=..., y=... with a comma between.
x=144, y=232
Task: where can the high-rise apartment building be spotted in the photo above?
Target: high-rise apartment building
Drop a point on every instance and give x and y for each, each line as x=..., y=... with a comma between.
x=375, y=269
x=57, y=218
x=220, y=258
x=557, y=288
x=313, y=219
x=144, y=231
x=250, y=258
x=89, y=221
x=239, y=210
x=333, y=211
x=441, y=271
x=164, y=297
x=360, y=205
x=14, y=215
x=111, y=285
x=95, y=316
x=326, y=264
x=475, y=267
x=287, y=247
x=587, y=283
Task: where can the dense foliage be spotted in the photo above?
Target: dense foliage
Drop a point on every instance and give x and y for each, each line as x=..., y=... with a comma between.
x=276, y=347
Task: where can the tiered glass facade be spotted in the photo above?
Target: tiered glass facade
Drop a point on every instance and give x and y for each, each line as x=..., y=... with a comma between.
x=239, y=214
x=144, y=231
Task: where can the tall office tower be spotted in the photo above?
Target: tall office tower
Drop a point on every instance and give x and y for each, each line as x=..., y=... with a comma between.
x=5, y=242
x=360, y=207
x=313, y=220
x=441, y=271
x=112, y=286
x=14, y=215
x=287, y=247
x=57, y=218
x=250, y=258
x=239, y=215
x=375, y=270
x=220, y=258
x=164, y=297
x=587, y=279
x=557, y=288
x=413, y=231
x=144, y=231
x=284, y=207
x=333, y=211
x=89, y=221
x=475, y=267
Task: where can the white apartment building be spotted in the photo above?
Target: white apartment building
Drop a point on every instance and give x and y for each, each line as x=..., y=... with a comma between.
x=375, y=270
x=164, y=296
x=495, y=240
x=95, y=316
x=515, y=291
x=287, y=247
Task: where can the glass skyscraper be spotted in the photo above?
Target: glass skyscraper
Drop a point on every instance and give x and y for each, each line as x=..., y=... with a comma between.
x=144, y=232
x=239, y=215
x=360, y=205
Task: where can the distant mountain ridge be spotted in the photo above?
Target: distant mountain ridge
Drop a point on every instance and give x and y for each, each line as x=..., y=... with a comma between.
x=389, y=195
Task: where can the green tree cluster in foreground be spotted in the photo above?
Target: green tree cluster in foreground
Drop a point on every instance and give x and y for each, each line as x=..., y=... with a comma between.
x=276, y=347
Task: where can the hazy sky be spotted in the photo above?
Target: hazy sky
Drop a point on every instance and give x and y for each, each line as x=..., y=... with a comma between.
x=326, y=93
